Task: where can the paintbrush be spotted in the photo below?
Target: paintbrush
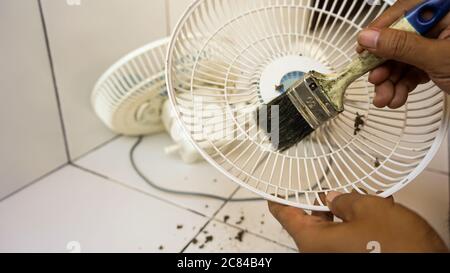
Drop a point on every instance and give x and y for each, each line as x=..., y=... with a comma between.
x=318, y=98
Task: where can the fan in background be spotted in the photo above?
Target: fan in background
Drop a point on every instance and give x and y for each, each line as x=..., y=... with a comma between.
x=256, y=49
x=131, y=98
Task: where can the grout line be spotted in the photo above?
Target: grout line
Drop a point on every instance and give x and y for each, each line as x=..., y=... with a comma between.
x=55, y=85
x=209, y=220
x=251, y=232
x=33, y=182
x=122, y=184
x=255, y=234
x=101, y=145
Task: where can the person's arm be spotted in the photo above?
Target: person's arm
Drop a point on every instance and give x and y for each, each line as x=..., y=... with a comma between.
x=366, y=219
x=415, y=59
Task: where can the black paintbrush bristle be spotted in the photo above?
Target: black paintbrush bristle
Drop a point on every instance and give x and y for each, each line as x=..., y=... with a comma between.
x=291, y=128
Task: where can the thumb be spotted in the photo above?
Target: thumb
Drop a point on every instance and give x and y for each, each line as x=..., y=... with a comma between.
x=345, y=206
x=402, y=46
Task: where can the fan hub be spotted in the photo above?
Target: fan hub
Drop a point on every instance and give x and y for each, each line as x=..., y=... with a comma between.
x=280, y=71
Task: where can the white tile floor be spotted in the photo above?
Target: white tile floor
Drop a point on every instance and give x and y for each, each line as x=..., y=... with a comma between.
x=100, y=204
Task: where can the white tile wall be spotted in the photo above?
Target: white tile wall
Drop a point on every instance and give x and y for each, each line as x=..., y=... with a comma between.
x=176, y=10
x=85, y=40
x=31, y=141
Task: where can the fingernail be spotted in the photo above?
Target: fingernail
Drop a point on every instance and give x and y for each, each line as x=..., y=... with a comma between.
x=332, y=195
x=369, y=38
x=445, y=35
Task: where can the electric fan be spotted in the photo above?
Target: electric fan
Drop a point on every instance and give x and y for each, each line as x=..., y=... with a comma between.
x=258, y=48
x=131, y=98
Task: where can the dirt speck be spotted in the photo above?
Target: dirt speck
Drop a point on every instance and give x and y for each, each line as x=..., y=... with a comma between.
x=215, y=180
x=209, y=239
x=201, y=246
x=179, y=226
x=240, y=221
x=359, y=122
x=195, y=241
x=226, y=218
x=161, y=247
x=205, y=232
x=206, y=206
x=377, y=163
x=262, y=222
x=240, y=235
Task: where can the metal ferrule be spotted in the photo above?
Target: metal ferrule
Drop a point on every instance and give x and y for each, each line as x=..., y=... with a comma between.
x=314, y=106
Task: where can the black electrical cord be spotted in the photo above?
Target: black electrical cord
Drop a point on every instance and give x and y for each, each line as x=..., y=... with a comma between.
x=186, y=193
x=177, y=192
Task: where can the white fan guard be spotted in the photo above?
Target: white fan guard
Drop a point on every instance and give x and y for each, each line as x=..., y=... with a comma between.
x=242, y=50
x=129, y=96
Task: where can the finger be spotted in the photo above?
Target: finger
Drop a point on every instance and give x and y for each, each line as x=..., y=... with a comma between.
x=392, y=14
x=389, y=198
x=295, y=221
x=440, y=27
x=405, y=47
x=359, y=49
x=344, y=206
x=407, y=84
x=324, y=215
x=360, y=191
x=384, y=93
x=390, y=70
x=381, y=73
x=445, y=34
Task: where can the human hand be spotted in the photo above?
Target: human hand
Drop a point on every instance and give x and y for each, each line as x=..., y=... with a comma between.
x=365, y=219
x=414, y=59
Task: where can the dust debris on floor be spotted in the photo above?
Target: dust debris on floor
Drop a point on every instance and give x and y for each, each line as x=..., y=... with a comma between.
x=240, y=221
x=179, y=226
x=215, y=180
x=161, y=247
x=209, y=238
x=239, y=237
x=226, y=218
x=359, y=122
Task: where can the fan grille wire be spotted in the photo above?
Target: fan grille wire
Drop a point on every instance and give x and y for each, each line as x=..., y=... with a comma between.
x=232, y=43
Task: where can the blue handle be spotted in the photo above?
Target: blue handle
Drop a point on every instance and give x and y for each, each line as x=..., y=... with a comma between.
x=438, y=8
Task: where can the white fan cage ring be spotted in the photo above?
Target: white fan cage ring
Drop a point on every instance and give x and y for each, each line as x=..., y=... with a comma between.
x=242, y=50
x=129, y=96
